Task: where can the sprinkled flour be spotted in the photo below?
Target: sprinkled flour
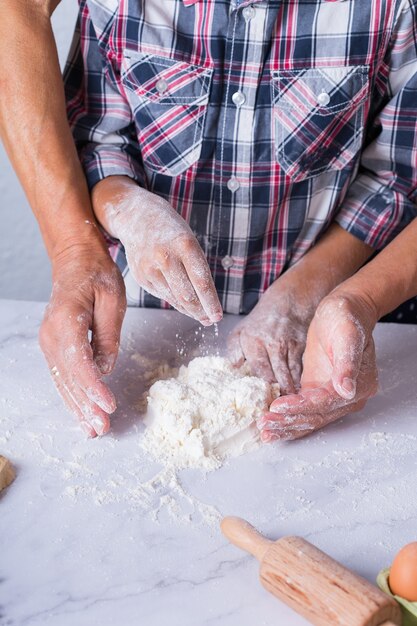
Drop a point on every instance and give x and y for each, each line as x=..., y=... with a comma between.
x=206, y=414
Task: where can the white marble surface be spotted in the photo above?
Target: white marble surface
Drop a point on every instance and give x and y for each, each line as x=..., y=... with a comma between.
x=81, y=542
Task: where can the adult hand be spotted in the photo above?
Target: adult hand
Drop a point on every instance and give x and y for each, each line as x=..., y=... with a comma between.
x=272, y=337
x=163, y=254
x=339, y=374
x=88, y=295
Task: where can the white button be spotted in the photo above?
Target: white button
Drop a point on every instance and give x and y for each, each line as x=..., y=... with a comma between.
x=227, y=262
x=323, y=98
x=161, y=85
x=233, y=184
x=248, y=13
x=238, y=98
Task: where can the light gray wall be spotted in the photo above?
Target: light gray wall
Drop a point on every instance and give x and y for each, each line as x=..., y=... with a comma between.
x=24, y=266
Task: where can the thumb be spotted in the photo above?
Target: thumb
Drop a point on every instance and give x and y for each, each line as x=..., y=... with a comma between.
x=347, y=350
x=109, y=311
x=234, y=348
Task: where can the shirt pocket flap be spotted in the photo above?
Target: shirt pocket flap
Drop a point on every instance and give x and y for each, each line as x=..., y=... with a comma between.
x=322, y=91
x=165, y=81
x=319, y=118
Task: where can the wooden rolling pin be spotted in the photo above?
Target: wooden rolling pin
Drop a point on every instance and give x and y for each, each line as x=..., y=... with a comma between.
x=312, y=583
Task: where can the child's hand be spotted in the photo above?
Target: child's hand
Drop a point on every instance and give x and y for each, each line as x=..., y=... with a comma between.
x=163, y=254
x=339, y=374
x=272, y=337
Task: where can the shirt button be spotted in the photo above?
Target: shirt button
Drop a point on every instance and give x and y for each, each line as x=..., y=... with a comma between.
x=227, y=262
x=161, y=85
x=323, y=98
x=248, y=13
x=233, y=184
x=238, y=98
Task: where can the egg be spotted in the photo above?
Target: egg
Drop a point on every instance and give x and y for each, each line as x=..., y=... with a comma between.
x=403, y=573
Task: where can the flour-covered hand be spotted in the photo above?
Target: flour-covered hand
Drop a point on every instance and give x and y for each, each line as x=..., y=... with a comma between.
x=339, y=374
x=162, y=252
x=88, y=296
x=272, y=337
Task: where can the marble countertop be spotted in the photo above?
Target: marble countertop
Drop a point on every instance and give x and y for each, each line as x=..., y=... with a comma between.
x=90, y=533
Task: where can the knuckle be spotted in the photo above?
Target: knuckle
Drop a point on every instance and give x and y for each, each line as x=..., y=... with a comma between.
x=162, y=257
x=43, y=341
x=45, y=335
x=187, y=243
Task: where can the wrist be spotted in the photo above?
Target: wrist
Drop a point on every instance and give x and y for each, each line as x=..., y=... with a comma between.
x=122, y=207
x=304, y=285
x=86, y=239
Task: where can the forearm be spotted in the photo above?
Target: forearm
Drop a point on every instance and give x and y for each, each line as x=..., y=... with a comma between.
x=34, y=127
x=391, y=277
x=336, y=256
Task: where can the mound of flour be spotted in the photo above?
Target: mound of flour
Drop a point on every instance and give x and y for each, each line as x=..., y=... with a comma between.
x=206, y=414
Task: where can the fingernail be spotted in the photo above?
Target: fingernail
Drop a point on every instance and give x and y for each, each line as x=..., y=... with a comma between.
x=266, y=437
x=279, y=408
x=283, y=407
x=98, y=425
x=217, y=316
x=349, y=387
x=86, y=428
x=105, y=363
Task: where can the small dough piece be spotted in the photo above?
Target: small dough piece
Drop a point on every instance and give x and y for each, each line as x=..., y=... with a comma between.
x=7, y=473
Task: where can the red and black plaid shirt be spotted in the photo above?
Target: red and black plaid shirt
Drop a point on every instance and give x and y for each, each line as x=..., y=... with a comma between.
x=260, y=122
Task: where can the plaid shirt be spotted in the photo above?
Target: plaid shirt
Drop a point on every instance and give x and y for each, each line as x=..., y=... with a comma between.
x=261, y=122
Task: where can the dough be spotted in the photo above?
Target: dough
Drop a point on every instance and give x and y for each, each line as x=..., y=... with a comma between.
x=7, y=473
x=206, y=414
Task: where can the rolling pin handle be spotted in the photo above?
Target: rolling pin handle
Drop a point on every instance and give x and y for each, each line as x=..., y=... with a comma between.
x=243, y=535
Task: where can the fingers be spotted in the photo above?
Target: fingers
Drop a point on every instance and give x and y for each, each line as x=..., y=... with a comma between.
x=180, y=285
x=64, y=341
x=81, y=402
x=108, y=317
x=178, y=273
x=268, y=361
x=297, y=415
x=348, y=347
x=278, y=357
x=295, y=361
x=201, y=279
x=72, y=406
x=257, y=357
x=234, y=348
x=82, y=371
x=157, y=286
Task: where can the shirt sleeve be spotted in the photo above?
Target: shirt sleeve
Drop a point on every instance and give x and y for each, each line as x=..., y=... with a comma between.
x=381, y=200
x=98, y=113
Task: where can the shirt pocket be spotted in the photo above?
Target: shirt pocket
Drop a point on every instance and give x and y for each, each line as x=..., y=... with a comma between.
x=318, y=118
x=169, y=101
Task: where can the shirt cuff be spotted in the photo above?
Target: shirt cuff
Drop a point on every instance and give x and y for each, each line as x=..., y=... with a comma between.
x=374, y=212
x=100, y=161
